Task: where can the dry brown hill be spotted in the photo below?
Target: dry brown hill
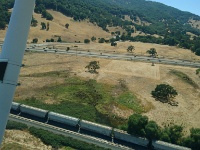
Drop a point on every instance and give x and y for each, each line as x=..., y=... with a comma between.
x=78, y=31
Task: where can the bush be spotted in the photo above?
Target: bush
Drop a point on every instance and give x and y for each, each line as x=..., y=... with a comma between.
x=93, y=38
x=86, y=41
x=113, y=44
x=198, y=71
x=47, y=40
x=35, y=40
x=101, y=40
x=59, y=39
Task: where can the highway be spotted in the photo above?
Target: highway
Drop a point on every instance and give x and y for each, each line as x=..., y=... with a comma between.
x=71, y=131
x=118, y=56
x=40, y=48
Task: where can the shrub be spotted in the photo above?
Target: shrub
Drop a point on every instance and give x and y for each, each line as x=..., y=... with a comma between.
x=59, y=39
x=101, y=40
x=35, y=40
x=86, y=41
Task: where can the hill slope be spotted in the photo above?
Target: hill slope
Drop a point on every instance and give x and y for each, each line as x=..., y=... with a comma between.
x=151, y=18
x=77, y=31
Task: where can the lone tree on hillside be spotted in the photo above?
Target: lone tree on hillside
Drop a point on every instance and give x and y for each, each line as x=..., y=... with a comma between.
x=35, y=40
x=164, y=93
x=93, y=66
x=152, y=52
x=34, y=22
x=130, y=48
x=47, y=26
x=59, y=39
x=93, y=38
x=43, y=26
x=86, y=41
x=67, y=25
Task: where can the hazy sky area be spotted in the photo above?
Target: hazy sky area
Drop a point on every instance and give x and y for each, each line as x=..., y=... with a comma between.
x=192, y=6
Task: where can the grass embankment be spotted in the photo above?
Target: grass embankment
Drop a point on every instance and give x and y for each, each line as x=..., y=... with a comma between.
x=48, y=138
x=13, y=146
x=184, y=77
x=85, y=99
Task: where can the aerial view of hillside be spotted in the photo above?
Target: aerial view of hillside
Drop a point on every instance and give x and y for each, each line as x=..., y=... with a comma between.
x=131, y=65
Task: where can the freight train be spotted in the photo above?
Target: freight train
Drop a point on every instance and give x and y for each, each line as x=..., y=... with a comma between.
x=93, y=127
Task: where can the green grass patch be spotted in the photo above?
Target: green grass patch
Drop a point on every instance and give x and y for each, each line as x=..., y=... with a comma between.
x=85, y=99
x=13, y=146
x=65, y=107
x=64, y=73
x=184, y=78
x=198, y=71
x=130, y=101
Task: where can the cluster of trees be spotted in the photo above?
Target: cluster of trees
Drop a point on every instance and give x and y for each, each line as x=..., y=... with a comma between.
x=52, y=40
x=5, y=15
x=139, y=125
x=40, y=9
x=105, y=13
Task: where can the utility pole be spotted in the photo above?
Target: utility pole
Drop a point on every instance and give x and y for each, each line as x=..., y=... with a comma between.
x=12, y=55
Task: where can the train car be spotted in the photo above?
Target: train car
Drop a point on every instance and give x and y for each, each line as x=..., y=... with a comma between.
x=122, y=135
x=160, y=145
x=63, y=118
x=15, y=106
x=105, y=130
x=33, y=111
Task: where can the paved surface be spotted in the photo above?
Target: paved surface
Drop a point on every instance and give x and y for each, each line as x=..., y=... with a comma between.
x=117, y=56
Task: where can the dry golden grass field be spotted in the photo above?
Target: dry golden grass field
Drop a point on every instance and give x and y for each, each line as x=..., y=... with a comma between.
x=141, y=78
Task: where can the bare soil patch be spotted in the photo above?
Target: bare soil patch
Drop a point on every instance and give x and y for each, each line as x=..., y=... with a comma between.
x=26, y=140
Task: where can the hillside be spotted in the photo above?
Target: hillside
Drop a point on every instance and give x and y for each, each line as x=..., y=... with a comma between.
x=140, y=78
x=77, y=31
x=151, y=21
